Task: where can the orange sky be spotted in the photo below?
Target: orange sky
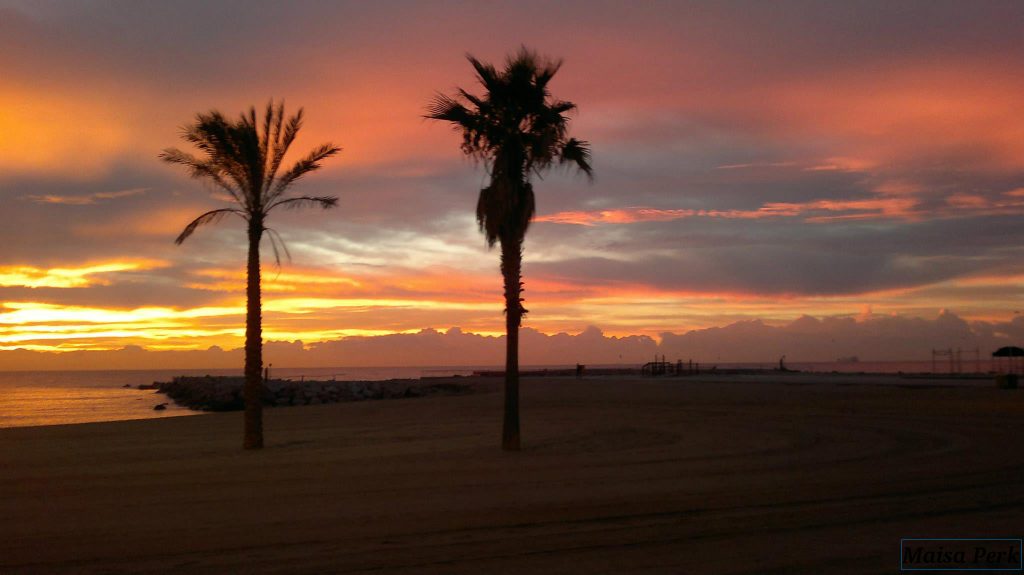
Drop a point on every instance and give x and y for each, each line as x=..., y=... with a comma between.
x=752, y=162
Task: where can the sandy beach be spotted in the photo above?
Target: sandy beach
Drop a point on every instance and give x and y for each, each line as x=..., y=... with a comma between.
x=758, y=475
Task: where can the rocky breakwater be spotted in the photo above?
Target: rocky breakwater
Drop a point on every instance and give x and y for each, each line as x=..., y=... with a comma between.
x=217, y=393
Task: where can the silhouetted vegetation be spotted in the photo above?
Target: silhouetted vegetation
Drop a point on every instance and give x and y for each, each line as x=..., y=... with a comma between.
x=244, y=159
x=517, y=130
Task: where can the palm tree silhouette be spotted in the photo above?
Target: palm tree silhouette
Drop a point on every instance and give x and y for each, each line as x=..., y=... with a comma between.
x=517, y=130
x=239, y=158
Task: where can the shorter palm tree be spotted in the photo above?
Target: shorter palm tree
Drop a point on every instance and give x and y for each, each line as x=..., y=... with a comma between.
x=240, y=158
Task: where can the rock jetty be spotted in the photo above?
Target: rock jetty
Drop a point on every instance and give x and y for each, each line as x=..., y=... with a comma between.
x=219, y=393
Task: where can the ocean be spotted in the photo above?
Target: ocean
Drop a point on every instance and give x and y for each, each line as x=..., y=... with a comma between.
x=29, y=398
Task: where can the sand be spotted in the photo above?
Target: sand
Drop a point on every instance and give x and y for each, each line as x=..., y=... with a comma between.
x=800, y=474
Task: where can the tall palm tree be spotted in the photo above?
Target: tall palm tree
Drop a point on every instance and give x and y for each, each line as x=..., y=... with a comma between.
x=244, y=161
x=517, y=130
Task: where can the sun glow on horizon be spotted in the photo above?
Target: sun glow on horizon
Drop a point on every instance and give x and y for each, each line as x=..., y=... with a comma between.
x=620, y=310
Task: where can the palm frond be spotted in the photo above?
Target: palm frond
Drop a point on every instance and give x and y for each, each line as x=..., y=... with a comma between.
x=209, y=217
x=308, y=164
x=245, y=136
x=561, y=107
x=278, y=122
x=282, y=141
x=176, y=156
x=446, y=108
x=577, y=152
x=200, y=170
x=275, y=241
x=485, y=73
x=545, y=74
x=472, y=99
x=264, y=135
x=325, y=202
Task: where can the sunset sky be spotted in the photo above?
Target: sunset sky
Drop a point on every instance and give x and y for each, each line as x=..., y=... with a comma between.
x=753, y=161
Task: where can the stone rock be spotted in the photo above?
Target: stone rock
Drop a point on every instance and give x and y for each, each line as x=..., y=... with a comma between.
x=210, y=393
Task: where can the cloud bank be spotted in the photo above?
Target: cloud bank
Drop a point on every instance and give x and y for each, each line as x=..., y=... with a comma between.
x=872, y=338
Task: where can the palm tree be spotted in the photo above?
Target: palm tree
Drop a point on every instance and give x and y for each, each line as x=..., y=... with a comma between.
x=517, y=130
x=239, y=158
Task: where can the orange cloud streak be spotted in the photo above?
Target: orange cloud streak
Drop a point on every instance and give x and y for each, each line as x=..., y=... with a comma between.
x=87, y=199
x=82, y=276
x=879, y=207
x=893, y=202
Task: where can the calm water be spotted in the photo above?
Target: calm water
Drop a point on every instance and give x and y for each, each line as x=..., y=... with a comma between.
x=57, y=397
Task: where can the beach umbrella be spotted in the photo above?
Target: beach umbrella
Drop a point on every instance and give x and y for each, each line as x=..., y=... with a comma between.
x=1008, y=351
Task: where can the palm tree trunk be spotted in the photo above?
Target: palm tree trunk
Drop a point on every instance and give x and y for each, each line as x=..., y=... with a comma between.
x=253, y=391
x=511, y=271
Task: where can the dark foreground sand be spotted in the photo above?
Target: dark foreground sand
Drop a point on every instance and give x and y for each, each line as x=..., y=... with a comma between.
x=616, y=476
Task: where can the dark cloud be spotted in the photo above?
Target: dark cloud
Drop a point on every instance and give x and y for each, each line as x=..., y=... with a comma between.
x=894, y=338
x=790, y=257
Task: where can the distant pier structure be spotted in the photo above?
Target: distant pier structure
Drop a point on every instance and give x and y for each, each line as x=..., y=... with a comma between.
x=660, y=366
x=955, y=358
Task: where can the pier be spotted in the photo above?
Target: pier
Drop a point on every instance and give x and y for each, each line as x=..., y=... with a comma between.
x=663, y=367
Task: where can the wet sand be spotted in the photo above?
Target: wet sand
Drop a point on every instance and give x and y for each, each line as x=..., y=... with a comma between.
x=757, y=475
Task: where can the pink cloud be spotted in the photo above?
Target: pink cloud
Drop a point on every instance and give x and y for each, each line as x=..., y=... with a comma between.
x=962, y=200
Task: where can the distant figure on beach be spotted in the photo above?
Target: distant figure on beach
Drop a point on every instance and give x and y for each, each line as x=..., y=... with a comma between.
x=579, y=370
x=782, y=363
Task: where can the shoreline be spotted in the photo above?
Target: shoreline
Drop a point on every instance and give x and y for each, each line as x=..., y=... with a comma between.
x=378, y=389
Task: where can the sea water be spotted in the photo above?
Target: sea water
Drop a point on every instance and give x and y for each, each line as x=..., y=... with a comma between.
x=30, y=398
